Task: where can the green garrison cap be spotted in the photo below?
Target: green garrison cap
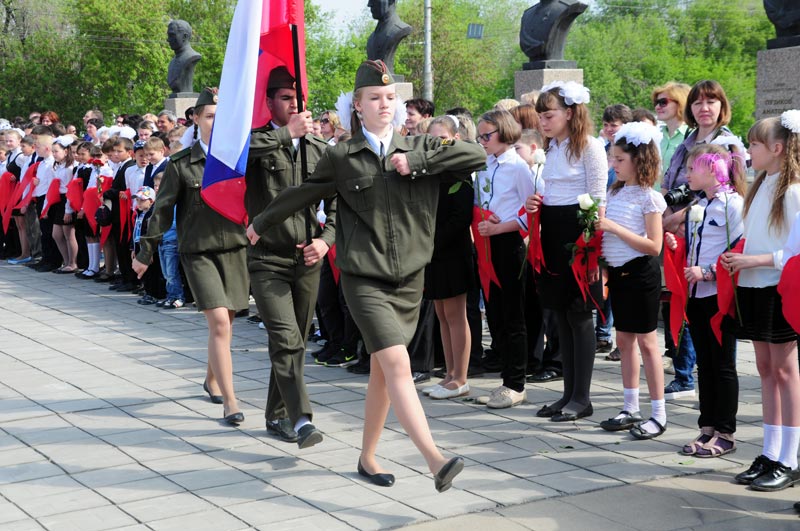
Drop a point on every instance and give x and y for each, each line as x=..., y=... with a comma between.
x=207, y=97
x=280, y=78
x=373, y=74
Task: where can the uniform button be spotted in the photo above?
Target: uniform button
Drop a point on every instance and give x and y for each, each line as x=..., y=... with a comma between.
x=272, y=167
x=424, y=171
x=357, y=187
x=414, y=173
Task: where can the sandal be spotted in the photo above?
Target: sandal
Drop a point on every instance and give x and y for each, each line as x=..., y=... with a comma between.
x=640, y=433
x=695, y=445
x=716, y=447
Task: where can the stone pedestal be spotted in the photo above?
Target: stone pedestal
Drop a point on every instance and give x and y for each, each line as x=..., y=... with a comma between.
x=777, y=81
x=179, y=102
x=528, y=80
x=405, y=91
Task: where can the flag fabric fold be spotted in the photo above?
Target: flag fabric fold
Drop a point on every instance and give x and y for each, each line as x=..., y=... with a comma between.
x=674, y=262
x=726, y=298
x=486, y=272
x=260, y=39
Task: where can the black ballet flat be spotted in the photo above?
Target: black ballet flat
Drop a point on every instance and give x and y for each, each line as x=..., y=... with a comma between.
x=381, y=480
x=234, y=419
x=567, y=416
x=547, y=412
x=215, y=399
x=443, y=479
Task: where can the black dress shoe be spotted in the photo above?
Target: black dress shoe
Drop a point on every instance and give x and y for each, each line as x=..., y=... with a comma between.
x=640, y=433
x=776, y=478
x=544, y=376
x=234, y=419
x=362, y=367
x=760, y=465
x=568, y=416
x=420, y=377
x=624, y=423
x=547, y=412
x=215, y=399
x=283, y=429
x=308, y=436
x=381, y=480
x=443, y=479
x=797, y=507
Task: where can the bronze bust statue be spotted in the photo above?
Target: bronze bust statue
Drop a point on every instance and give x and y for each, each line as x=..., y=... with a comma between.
x=382, y=43
x=180, y=74
x=785, y=16
x=543, y=32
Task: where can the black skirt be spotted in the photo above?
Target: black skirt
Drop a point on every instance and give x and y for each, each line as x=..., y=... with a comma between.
x=556, y=284
x=634, y=289
x=56, y=212
x=762, y=317
x=449, y=277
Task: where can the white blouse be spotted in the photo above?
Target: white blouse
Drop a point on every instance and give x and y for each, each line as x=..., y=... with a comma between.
x=504, y=186
x=628, y=207
x=712, y=236
x=64, y=175
x=45, y=175
x=761, y=238
x=792, y=246
x=565, y=179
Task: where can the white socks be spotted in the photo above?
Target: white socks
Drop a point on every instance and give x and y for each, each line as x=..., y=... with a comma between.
x=631, y=401
x=658, y=413
x=302, y=421
x=772, y=442
x=790, y=440
x=94, y=256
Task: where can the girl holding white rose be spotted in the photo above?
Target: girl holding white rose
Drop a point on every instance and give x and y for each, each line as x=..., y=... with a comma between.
x=632, y=239
x=576, y=164
x=714, y=225
x=769, y=210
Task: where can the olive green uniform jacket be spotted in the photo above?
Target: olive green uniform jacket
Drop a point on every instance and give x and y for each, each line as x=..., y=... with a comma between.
x=200, y=228
x=272, y=167
x=385, y=221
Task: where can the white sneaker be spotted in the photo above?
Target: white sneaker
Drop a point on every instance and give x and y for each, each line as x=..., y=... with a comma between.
x=484, y=399
x=444, y=392
x=505, y=398
x=431, y=388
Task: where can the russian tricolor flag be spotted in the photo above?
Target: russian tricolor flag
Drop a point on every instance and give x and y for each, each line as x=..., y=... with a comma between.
x=260, y=40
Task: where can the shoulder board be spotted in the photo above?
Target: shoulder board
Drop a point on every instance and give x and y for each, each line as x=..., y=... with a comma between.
x=180, y=154
x=448, y=141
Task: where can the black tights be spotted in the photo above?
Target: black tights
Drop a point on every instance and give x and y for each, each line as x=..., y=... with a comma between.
x=577, y=344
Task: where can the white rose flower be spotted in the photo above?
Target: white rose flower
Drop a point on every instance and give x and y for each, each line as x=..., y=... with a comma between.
x=585, y=201
x=696, y=214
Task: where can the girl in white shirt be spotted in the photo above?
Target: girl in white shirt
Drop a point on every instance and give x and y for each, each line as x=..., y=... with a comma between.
x=576, y=164
x=632, y=239
x=715, y=226
x=61, y=213
x=770, y=207
x=502, y=188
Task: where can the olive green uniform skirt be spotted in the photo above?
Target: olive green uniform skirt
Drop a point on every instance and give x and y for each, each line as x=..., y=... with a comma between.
x=218, y=279
x=386, y=313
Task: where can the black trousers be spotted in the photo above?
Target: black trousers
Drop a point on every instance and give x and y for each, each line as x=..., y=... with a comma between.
x=334, y=317
x=9, y=241
x=716, y=368
x=50, y=253
x=507, y=304
x=545, y=354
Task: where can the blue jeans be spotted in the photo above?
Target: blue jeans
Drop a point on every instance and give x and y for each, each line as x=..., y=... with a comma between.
x=170, y=262
x=602, y=331
x=684, y=361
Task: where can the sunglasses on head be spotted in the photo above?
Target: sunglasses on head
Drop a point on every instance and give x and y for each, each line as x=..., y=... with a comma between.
x=662, y=102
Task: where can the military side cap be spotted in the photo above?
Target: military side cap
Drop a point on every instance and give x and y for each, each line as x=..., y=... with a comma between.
x=207, y=97
x=373, y=74
x=280, y=78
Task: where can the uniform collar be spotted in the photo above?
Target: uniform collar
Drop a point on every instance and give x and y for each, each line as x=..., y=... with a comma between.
x=197, y=153
x=398, y=143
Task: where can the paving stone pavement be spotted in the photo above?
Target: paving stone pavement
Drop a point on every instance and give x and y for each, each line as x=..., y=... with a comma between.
x=104, y=425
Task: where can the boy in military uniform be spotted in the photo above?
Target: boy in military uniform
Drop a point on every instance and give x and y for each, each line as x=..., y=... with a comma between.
x=284, y=270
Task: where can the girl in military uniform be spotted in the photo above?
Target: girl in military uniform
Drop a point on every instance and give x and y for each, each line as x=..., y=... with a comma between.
x=387, y=203
x=212, y=250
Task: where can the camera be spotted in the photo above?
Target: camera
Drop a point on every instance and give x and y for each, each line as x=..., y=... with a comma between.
x=678, y=196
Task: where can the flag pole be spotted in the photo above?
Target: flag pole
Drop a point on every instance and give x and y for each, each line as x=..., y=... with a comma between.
x=300, y=108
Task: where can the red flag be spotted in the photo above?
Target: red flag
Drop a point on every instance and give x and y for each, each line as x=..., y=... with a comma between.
x=275, y=50
x=725, y=296
x=53, y=196
x=674, y=263
x=24, y=192
x=124, y=216
x=75, y=193
x=7, y=187
x=788, y=288
x=486, y=271
x=91, y=202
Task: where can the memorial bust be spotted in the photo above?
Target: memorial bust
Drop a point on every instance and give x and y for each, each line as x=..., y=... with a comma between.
x=543, y=32
x=382, y=43
x=785, y=16
x=180, y=74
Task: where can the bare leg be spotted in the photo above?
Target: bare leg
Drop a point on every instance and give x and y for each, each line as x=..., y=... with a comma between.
x=626, y=342
x=447, y=345
x=787, y=378
x=376, y=407
x=396, y=369
x=25, y=249
x=653, y=368
x=770, y=396
x=455, y=311
x=71, y=244
x=61, y=243
x=220, y=325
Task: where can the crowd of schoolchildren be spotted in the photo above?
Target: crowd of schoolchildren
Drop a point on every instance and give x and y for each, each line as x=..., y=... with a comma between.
x=562, y=236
